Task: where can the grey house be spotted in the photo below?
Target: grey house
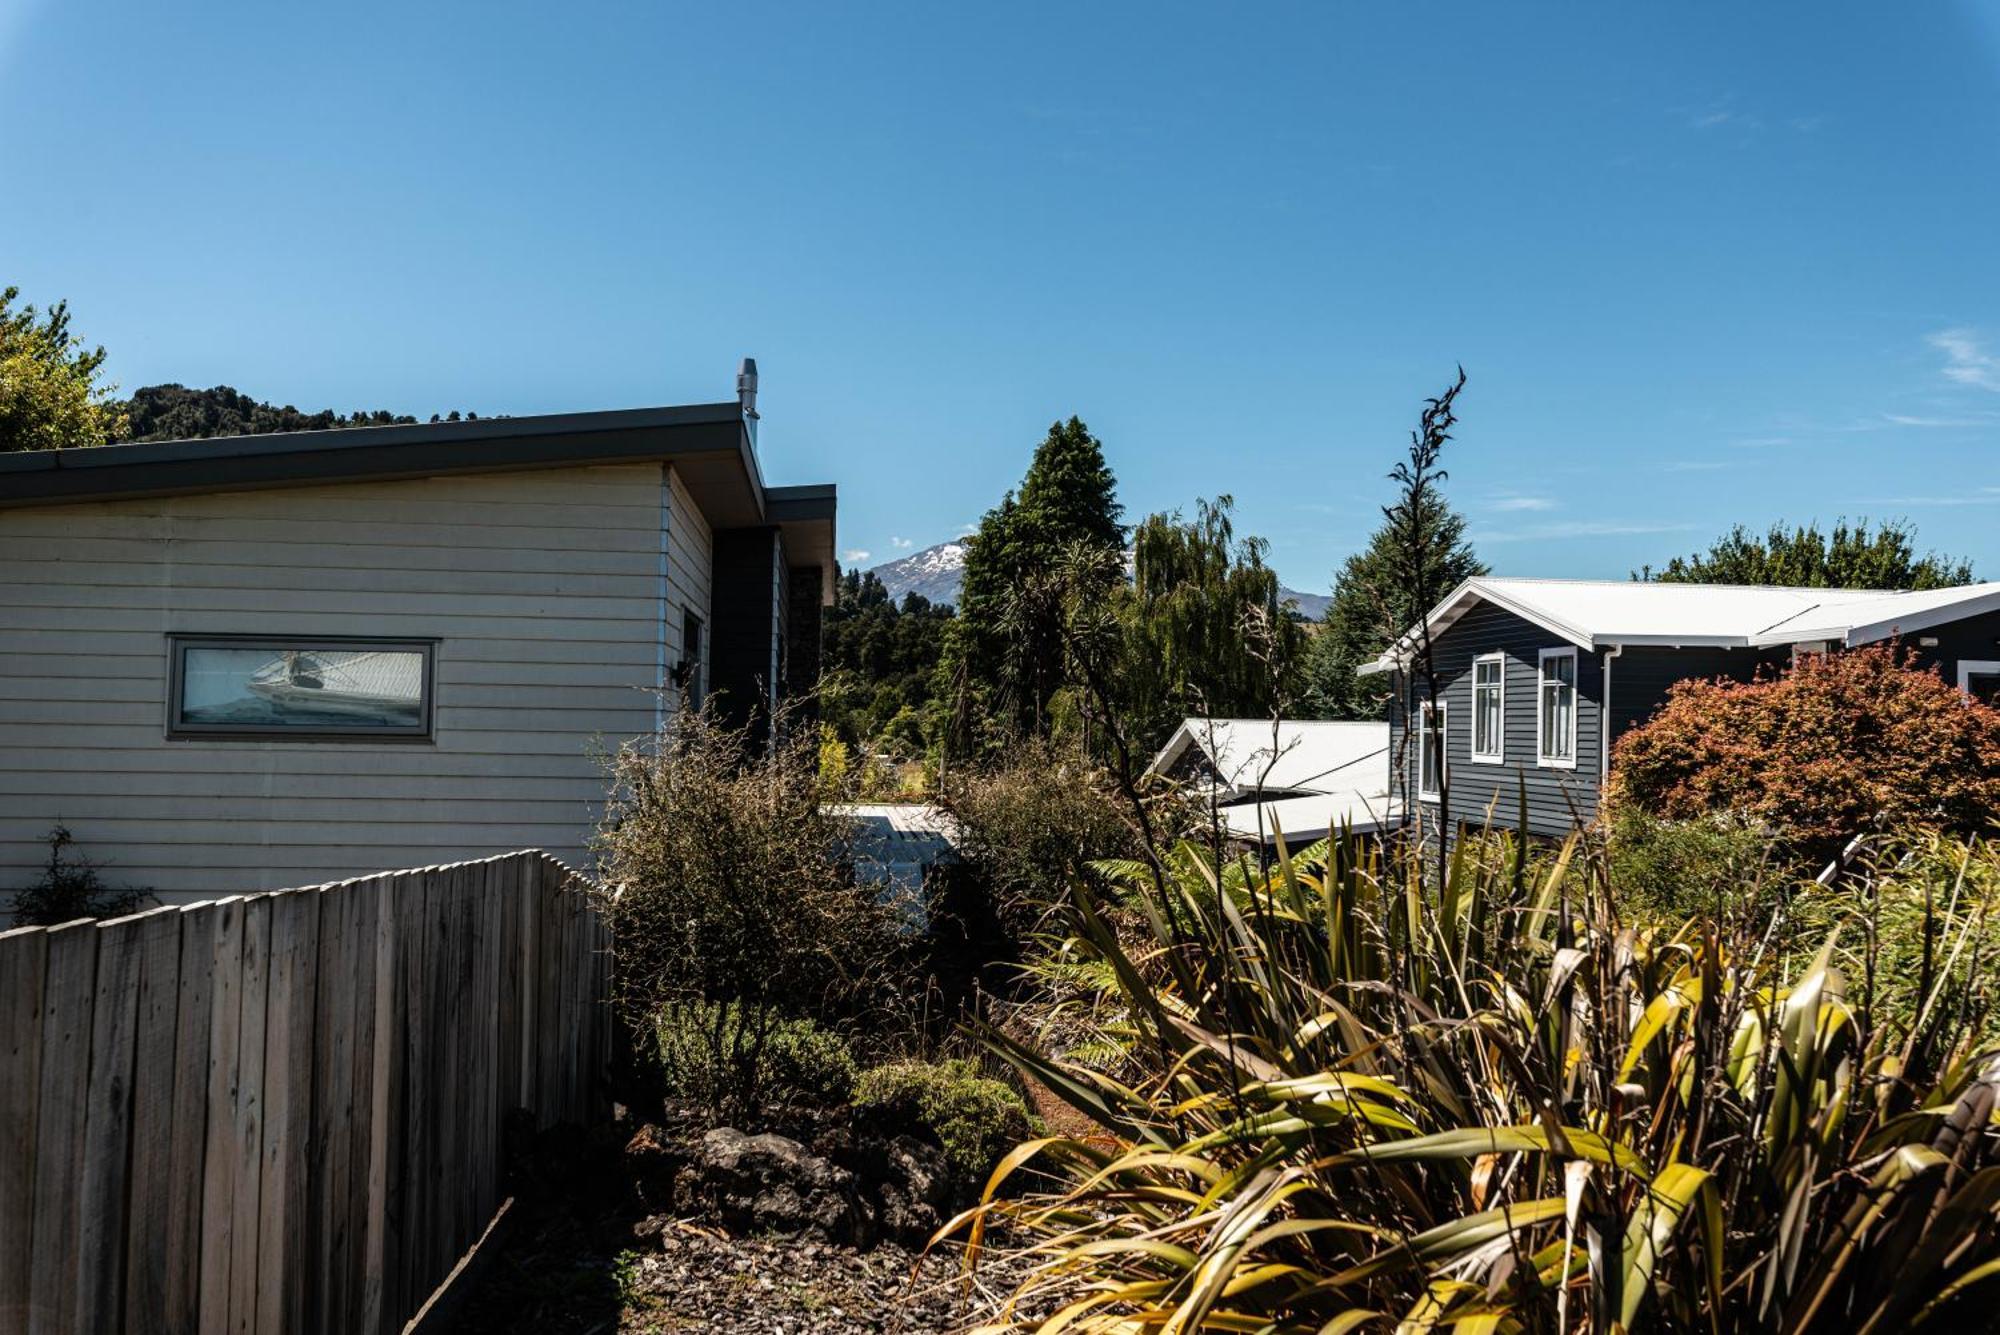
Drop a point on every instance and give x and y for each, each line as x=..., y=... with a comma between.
x=1538, y=678
x=245, y=663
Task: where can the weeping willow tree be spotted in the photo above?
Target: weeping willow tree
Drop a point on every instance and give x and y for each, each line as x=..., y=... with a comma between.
x=1203, y=628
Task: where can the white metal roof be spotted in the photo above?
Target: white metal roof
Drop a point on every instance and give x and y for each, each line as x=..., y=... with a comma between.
x=1302, y=820
x=1598, y=613
x=1304, y=755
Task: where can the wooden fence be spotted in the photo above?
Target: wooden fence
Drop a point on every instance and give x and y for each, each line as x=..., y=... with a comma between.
x=284, y=1112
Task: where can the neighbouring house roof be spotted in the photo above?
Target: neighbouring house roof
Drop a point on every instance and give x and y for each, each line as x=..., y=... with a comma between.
x=1595, y=614
x=709, y=445
x=1311, y=776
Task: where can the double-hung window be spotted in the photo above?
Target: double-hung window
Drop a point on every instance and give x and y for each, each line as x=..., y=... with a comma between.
x=283, y=688
x=1555, y=710
x=1433, y=734
x=1489, y=708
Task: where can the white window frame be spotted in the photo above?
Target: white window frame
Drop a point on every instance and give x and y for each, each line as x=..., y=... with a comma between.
x=1968, y=668
x=1443, y=710
x=1543, y=760
x=1498, y=755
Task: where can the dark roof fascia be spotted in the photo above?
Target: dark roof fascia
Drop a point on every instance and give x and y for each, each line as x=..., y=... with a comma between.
x=796, y=504
x=364, y=454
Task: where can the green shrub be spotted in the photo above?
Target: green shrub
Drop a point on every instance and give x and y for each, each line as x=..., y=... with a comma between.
x=975, y=1120
x=740, y=1064
x=728, y=878
x=1674, y=869
x=1030, y=828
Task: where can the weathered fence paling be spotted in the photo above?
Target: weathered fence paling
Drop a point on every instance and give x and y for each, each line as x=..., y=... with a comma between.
x=284, y=1112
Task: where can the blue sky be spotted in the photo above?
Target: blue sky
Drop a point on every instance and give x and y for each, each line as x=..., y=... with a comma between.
x=1703, y=263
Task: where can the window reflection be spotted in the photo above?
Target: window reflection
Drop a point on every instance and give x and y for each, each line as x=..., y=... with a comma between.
x=332, y=689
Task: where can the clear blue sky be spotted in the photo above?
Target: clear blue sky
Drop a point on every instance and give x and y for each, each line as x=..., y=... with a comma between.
x=1703, y=263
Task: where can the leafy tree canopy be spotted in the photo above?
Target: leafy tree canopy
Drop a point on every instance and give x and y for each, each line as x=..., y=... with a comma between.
x=879, y=664
x=50, y=397
x=1850, y=556
x=1204, y=628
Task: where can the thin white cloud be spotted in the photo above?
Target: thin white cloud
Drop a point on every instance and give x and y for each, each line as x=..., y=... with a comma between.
x=1515, y=504
x=901, y=544
x=1699, y=465
x=854, y=556
x=1580, y=528
x=1966, y=360
x=1905, y=419
x=1760, y=442
x=1977, y=496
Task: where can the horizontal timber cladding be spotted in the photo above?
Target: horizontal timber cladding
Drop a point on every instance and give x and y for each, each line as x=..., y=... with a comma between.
x=1557, y=797
x=541, y=590
x=285, y=1113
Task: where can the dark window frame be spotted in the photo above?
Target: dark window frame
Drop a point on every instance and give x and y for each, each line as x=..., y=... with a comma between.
x=178, y=643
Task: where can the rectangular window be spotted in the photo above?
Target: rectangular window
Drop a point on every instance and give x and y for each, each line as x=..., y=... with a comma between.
x=687, y=676
x=299, y=688
x=1555, y=709
x=1433, y=736
x=1489, y=707
x=1980, y=679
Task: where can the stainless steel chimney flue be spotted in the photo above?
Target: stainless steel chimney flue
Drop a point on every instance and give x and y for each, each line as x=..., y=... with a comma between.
x=746, y=387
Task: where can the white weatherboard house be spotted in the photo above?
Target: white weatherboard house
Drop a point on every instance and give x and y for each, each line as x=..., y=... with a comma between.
x=239, y=664
x=1303, y=779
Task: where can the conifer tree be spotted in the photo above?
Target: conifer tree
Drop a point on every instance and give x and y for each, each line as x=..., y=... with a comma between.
x=1351, y=632
x=996, y=671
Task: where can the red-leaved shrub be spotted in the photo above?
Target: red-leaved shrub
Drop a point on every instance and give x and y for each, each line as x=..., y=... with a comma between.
x=1818, y=753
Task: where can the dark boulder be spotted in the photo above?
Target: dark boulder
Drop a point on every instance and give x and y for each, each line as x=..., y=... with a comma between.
x=773, y=1184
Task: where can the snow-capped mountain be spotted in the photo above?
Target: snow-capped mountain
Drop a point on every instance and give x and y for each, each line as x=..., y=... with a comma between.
x=935, y=573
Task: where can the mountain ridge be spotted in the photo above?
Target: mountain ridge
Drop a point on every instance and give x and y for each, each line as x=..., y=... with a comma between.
x=937, y=571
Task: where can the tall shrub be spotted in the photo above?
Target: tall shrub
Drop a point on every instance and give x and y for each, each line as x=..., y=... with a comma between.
x=730, y=879
x=1837, y=744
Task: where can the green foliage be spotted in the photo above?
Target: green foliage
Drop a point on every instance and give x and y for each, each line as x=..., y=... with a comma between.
x=1851, y=556
x=1363, y=1098
x=1204, y=629
x=975, y=1120
x=746, y=1064
x=70, y=888
x=1030, y=827
x=729, y=879
x=175, y=412
x=1002, y=664
x=1921, y=929
x=1670, y=870
x=879, y=665
x=50, y=398
x=1417, y=555
x=1838, y=744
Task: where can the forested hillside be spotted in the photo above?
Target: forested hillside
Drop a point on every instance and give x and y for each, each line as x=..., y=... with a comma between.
x=175, y=412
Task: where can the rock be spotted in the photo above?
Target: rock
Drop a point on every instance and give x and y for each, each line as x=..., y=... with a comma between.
x=915, y=1186
x=773, y=1184
x=652, y=1160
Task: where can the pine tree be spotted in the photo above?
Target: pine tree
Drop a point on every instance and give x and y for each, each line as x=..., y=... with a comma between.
x=996, y=672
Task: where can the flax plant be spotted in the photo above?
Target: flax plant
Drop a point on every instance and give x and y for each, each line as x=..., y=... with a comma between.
x=1352, y=1096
